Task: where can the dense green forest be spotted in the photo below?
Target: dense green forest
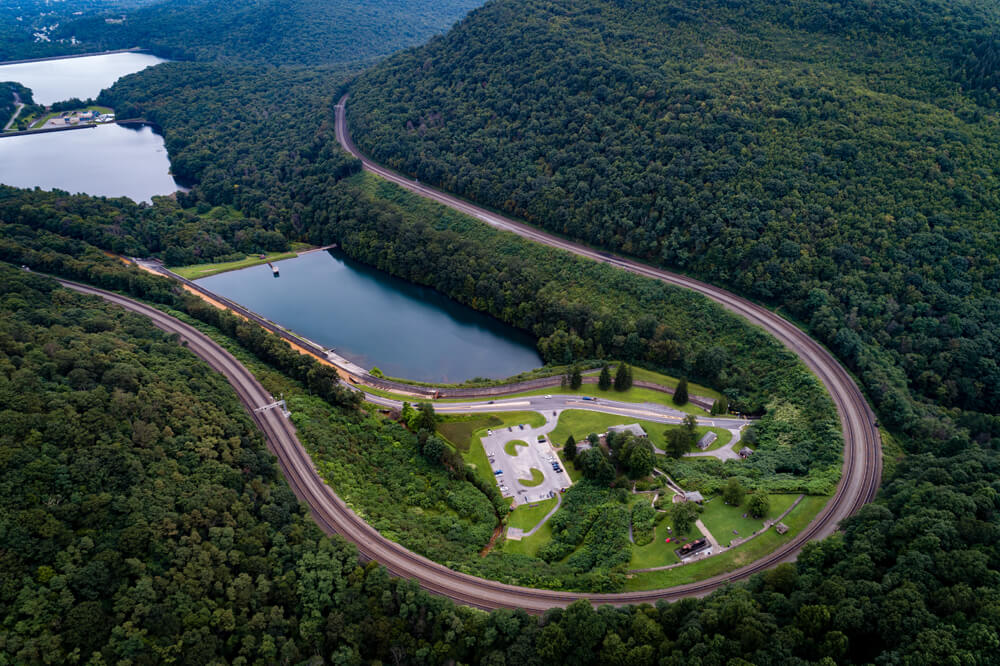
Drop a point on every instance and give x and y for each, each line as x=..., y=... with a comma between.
x=30, y=28
x=839, y=161
x=163, y=531
x=309, y=32
x=136, y=567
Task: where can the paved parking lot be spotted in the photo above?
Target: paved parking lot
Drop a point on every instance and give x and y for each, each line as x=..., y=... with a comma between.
x=537, y=455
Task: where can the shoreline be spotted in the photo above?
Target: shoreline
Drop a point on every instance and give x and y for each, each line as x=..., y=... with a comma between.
x=46, y=130
x=134, y=49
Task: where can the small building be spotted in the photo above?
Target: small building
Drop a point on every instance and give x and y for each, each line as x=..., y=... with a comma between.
x=707, y=440
x=746, y=452
x=693, y=496
x=781, y=528
x=633, y=428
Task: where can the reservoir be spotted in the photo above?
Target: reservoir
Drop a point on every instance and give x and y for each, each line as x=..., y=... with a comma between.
x=108, y=160
x=65, y=78
x=374, y=319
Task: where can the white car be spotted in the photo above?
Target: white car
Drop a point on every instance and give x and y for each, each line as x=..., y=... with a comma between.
x=548, y=396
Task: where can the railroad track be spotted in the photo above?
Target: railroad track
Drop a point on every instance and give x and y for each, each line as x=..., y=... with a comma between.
x=858, y=485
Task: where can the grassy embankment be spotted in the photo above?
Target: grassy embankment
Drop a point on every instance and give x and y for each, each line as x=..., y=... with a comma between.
x=195, y=271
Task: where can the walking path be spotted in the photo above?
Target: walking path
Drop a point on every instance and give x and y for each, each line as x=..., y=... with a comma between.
x=516, y=533
x=708, y=535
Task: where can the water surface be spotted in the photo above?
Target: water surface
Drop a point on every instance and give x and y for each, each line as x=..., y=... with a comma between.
x=109, y=160
x=65, y=78
x=375, y=319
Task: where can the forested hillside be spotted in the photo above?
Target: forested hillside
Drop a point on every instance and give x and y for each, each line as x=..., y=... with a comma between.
x=840, y=161
x=28, y=27
x=161, y=531
x=273, y=31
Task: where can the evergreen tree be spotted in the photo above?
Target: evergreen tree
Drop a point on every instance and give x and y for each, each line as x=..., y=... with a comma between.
x=623, y=378
x=569, y=449
x=604, y=381
x=721, y=406
x=575, y=378
x=681, y=392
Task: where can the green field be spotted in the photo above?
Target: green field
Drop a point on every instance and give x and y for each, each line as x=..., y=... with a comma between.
x=526, y=516
x=530, y=545
x=581, y=423
x=745, y=554
x=510, y=448
x=659, y=553
x=195, y=271
x=721, y=519
x=536, y=479
x=459, y=429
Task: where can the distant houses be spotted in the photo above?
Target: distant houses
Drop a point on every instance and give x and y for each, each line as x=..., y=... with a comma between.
x=746, y=452
x=693, y=496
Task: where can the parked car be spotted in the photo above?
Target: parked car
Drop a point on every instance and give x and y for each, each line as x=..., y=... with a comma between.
x=498, y=472
x=548, y=396
x=588, y=397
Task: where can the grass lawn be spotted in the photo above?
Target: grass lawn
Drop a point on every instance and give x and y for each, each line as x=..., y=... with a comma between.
x=196, y=271
x=721, y=519
x=658, y=553
x=530, y=545
x=511, y=447
x=526, y=516
x=570, y=467
x=581, y=423
x=667, y=380
x=461, y=429
x=536, y=478
x=732, y=559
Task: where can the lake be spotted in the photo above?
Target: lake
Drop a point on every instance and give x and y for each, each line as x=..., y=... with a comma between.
x=109, y=160
x=374, y=319
x=57, y=80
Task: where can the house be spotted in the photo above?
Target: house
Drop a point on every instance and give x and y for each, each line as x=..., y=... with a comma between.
x=633, y=428
x=781, y=528
x=746, y=452
x=707, y=439
x=693, y=496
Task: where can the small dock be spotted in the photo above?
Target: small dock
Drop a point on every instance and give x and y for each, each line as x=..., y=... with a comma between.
x=274, y=269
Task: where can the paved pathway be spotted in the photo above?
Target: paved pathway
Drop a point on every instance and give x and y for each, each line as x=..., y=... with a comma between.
x=516, y=533
x=708, y=535
x=723, y=453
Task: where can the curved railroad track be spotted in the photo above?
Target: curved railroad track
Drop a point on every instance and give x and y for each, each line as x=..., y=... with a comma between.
x=862, y=447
